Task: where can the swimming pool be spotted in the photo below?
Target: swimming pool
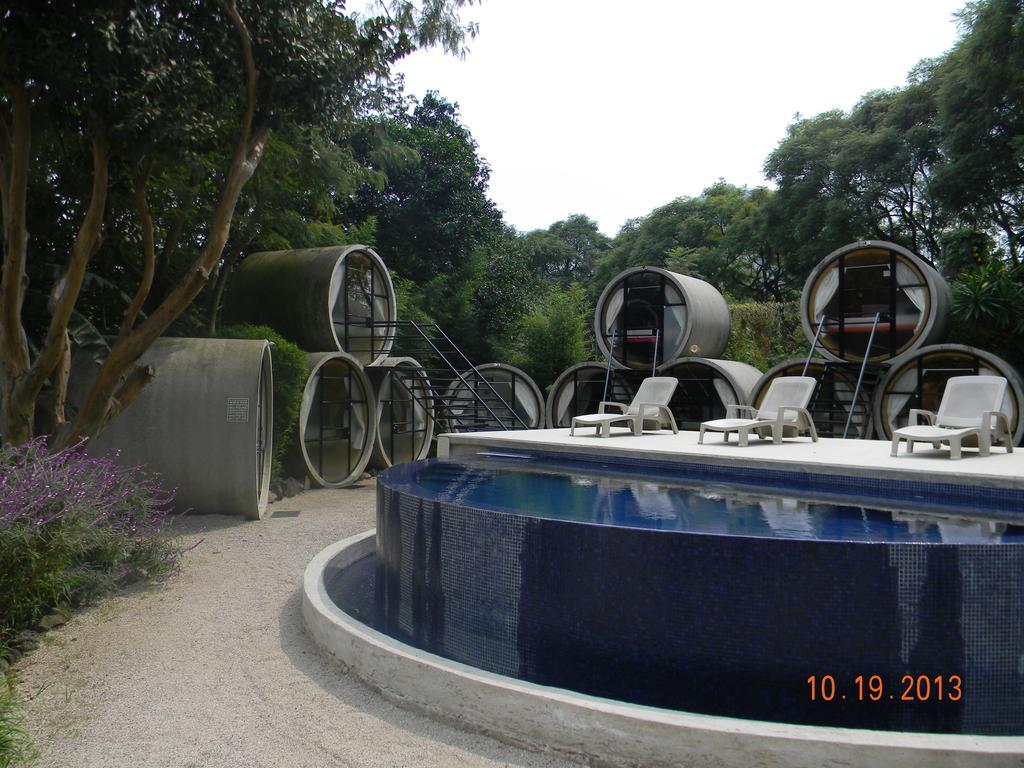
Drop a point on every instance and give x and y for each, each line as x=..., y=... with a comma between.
x=680, y=592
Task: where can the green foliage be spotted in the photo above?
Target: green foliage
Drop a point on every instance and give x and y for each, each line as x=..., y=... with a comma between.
x=728, y=236
x=14, y=743
x=980, y=97
x=765, y=333
x=72, y=528
x=555, y=334
x=988, y=310
x=567, y=251
x=288, y=362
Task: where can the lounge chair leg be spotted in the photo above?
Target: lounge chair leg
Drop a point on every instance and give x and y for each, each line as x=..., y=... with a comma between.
x=606, y=429
x=895, y=445
x=910, y=446
x=744, y=436
x=700, y=437
x=776, y=436
x=954, y=448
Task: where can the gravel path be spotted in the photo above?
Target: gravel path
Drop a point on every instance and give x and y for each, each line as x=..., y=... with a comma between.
x=213, y=668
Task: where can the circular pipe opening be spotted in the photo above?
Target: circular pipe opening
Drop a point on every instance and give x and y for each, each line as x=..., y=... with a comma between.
x=706, y=387
x=854, y=283
x=647, y=315
x=832, y=399
x=405, y=419
x=337, y=420
x=920, y=380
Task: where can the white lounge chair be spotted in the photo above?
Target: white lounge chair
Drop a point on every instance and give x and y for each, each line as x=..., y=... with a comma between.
x=970, y=407
x=784, y=406
x=651, y=402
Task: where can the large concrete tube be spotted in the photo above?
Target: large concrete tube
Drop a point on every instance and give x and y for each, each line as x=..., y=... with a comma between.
x=920, y=379
x=832, y=400
x=648, y=315
x=321, y=298
x=405, y=413
x=496, y=385
x=203, y=423
x=706, y=387
x=337, y=421
x=853, y=283
x=580, y=388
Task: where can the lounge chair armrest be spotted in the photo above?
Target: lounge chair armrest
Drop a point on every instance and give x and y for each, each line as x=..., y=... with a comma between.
x=1001, y=419
x=915, y=413
x=622, y=407
x=732, y=411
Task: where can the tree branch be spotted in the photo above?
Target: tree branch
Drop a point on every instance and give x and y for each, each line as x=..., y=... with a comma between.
x=148, y=248
x=13, y=344
x=65, y=291
x=136, y=381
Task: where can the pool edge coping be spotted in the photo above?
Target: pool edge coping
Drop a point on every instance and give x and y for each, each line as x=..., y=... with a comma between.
x=614, y=733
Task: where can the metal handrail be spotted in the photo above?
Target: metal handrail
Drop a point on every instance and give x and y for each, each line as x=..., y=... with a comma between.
x=860, y=378
x=814, y=344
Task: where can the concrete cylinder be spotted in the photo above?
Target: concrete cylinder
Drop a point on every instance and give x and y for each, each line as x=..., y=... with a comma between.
x=321, y=298
x=580, y=388
x=832, y=400
x=706, y=387
x=203, y=423
x=405, y=413
x=496, y=385
x=337, y=421
x=647, y=307
x=853, y=283
x=920, y=379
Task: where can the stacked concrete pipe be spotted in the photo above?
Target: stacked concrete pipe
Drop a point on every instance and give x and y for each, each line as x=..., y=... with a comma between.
x=707, y=387
x=405, y=412
x=920, y=379
x=854, y=280
x=830, y=407
x=492, y=381
x=324, y=299
x=687, y=317
x=337, y=421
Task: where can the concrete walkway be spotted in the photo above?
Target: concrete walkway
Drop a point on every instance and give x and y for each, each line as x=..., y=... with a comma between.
x=213, y=669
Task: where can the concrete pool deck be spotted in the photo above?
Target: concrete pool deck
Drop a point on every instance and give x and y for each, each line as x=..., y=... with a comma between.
x=854, y=458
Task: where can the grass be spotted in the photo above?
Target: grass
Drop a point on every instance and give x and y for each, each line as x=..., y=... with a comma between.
x=15, y=747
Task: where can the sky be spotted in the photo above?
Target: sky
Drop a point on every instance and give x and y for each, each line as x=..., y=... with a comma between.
x=613, y=109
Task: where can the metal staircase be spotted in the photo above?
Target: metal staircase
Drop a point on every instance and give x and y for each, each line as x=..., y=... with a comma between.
x=460, y=398
x=836, y=377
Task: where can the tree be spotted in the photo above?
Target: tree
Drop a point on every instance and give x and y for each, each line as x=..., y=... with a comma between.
x=435, y=224
x=567, y=251
x=981, y=113
x=121, y=93
x=728, y=236
x=555, y=334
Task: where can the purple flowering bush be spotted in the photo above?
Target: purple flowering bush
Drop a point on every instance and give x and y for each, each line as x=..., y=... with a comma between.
x=73, y=527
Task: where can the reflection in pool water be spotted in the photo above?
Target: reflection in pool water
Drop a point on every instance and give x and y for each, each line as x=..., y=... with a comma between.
x=677, y=505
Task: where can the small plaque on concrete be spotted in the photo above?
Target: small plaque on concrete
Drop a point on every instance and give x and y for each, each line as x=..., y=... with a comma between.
x=238, y=410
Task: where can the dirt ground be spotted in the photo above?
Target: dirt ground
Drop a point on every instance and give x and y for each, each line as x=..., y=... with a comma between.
x=213, y=668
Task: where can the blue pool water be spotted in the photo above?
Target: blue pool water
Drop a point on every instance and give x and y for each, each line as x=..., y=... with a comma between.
x=580, y=494
x=686, y=592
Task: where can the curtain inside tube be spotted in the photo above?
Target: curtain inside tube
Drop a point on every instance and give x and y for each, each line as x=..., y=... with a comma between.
x=827, y=287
